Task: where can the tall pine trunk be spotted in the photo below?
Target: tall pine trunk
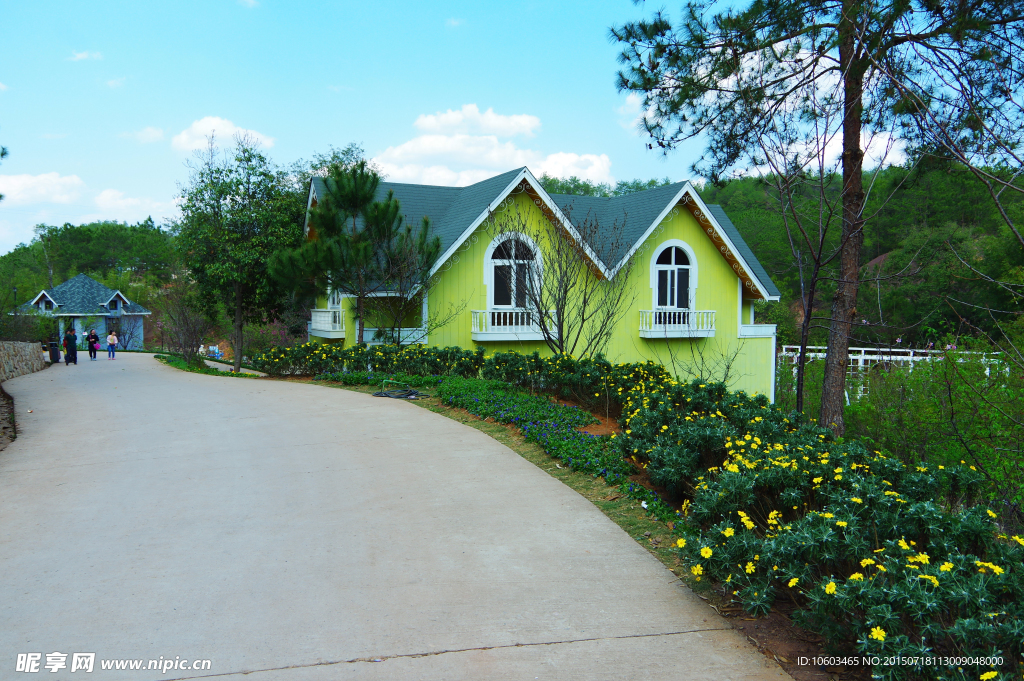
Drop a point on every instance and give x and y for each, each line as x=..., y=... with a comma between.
x=844, y=304
x=238, y=327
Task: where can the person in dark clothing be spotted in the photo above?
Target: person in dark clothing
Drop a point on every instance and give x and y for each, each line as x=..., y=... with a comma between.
x=93, y=341
x=70, y=347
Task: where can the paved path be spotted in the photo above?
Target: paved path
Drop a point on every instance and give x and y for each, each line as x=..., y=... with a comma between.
x=297, y=532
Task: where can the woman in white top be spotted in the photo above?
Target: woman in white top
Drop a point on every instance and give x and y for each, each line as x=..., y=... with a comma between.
x=111, y=345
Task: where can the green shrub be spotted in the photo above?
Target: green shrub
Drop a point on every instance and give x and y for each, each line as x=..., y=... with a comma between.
x=311, y=359
x=883, y=557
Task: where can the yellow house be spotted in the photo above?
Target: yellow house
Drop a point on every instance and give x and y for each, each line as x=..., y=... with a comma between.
x=692, y=279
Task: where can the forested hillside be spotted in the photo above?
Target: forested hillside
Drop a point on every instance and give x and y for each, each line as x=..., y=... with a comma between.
x=923, y=226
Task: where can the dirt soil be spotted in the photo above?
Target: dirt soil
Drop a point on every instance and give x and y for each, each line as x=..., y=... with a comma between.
x=7, y=431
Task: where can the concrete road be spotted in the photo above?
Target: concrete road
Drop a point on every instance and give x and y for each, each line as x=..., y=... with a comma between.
x=289, y=531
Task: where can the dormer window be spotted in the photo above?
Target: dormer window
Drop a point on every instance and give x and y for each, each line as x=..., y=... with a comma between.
x=113, y=304
x=47, y=304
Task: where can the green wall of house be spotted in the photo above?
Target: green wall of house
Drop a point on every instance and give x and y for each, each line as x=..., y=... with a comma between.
x=751, y=360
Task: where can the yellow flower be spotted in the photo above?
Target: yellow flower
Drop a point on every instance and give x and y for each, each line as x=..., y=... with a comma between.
x=817, y=481
x=930, y=578
x=946, y=567
x=921, y=558
x=988, y=675
x=827, y=515
x=1019, y=540
x=866, y=562
x=856, y=577
x=878, y=633
x=991, y=513
x=903, y=545
x=750, y=568
x=830, y=588
x=680, y=542
x=841, y=523
x=697, y=570
x=728, y=532
x=857, y=500
x=793, y=582
x=706, y=552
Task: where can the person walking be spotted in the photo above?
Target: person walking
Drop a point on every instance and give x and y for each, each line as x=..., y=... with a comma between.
x=93, y=341
x=112, y=345
x=70, y=347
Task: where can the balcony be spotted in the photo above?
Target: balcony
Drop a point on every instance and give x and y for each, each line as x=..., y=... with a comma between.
x=327, y=324
x=506, y=325
x=677, y=323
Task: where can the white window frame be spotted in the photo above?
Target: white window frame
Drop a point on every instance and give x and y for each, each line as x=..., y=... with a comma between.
x=490, y=262
x=692, y=267
x=333, y=299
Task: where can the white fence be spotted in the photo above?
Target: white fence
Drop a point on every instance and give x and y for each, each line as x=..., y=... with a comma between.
x=862, y=359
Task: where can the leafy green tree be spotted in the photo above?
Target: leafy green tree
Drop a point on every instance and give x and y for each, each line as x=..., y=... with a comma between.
x=726, y=75
x=236, y=212
x=578, y=187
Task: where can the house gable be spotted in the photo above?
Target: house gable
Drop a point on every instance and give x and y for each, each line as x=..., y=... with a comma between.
x=83, y=296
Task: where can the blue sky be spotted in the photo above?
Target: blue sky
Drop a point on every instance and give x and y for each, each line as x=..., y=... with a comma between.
x=101, y=103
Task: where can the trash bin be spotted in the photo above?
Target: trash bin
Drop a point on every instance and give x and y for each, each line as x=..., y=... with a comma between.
x=54, y=352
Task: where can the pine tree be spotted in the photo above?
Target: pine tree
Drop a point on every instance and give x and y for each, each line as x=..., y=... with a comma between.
x=725, y=75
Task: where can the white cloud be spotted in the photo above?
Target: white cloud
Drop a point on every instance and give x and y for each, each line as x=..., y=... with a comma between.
x=116, y=82
x=453, y=22
x=45, y=188
x=460, y=160
x=81, y=56
x=468, y=119
x=194, y=136
x=630, y=113
x=2, y=87
x=146, y=135
x=114, y=205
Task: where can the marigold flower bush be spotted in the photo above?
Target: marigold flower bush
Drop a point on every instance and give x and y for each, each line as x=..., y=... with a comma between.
x=882, y=557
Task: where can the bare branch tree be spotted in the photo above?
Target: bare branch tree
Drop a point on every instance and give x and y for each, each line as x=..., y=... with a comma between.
x=561, y=289
x=186, y=324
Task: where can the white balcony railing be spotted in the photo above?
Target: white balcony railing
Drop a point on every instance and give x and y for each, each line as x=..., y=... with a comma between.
x=327, y=324
x=503, y=325
x=677, y=323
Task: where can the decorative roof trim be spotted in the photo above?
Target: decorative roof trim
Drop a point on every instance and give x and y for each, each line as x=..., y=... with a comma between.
x=524, y=181
x=48, y=297
x=116, y=294
x=688, y=197
x=714, y=231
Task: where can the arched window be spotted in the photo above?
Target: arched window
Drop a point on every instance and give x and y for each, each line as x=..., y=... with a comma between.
x=672, y=279
x=334, y=300
x=514, y=265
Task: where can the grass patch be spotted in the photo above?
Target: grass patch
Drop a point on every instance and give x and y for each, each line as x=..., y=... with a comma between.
x=179, y=363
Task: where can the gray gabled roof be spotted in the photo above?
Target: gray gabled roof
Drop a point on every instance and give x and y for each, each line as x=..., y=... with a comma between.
x=84, y=296
x=453, y=210
x=624, y=218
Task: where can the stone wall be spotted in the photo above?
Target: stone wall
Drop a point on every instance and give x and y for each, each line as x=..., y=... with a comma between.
x=18, y=359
